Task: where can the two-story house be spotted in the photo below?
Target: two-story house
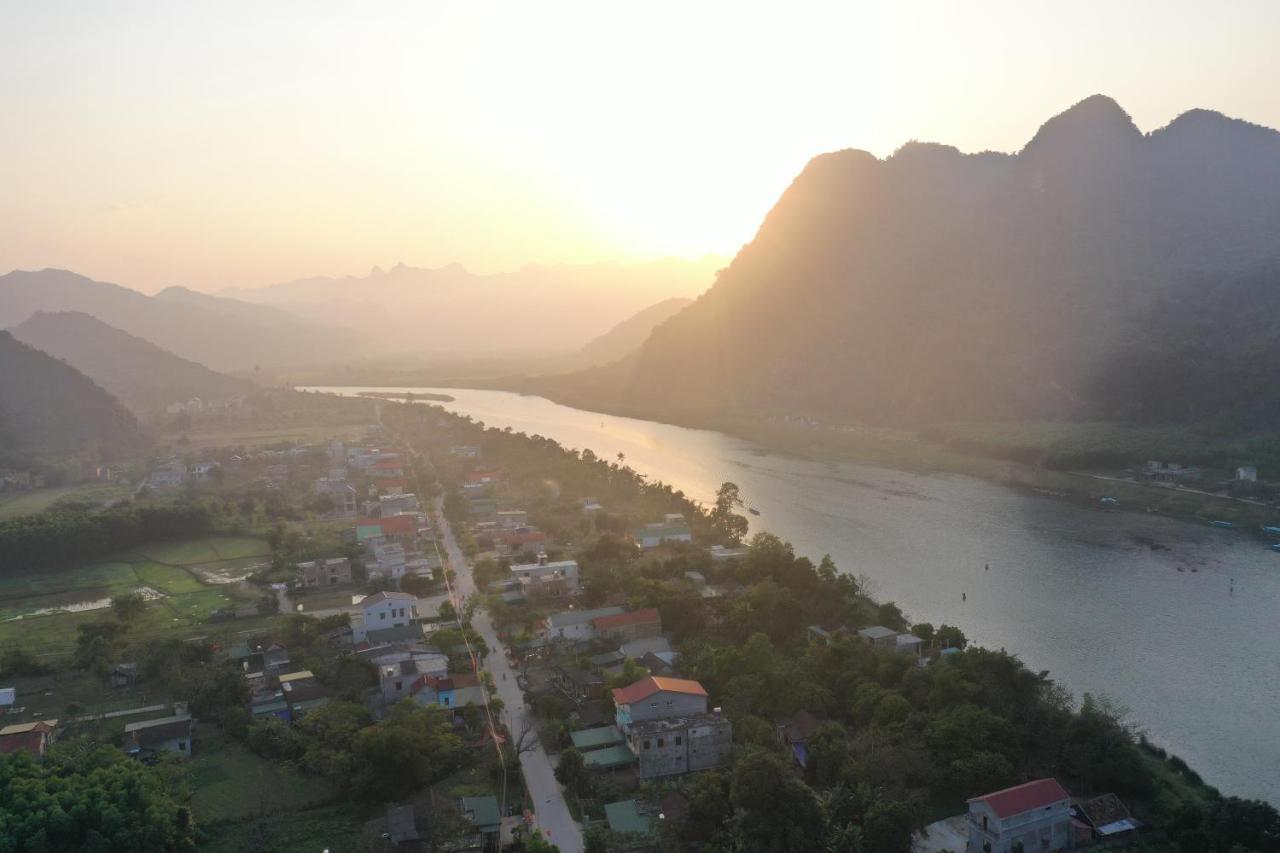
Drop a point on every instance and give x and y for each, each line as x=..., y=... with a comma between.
x=668, y=729
x=1031, y=818
x=331, y=572
x=384, y=610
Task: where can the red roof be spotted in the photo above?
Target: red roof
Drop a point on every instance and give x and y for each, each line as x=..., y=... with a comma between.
x=523, y=537
x=646, y=687
x=396, y=524
x=388, y=465
x=1024, y=798
x=637, y=617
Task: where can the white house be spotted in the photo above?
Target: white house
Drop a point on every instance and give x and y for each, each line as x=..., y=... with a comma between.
x=542, y=569
x=1247, y=474
x=1032, y=816
x=672, y=528
x=384, y=610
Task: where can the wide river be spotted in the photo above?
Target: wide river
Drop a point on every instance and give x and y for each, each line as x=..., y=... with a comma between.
x=1076, y=591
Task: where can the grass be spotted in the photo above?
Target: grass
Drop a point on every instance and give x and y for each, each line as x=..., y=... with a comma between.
x=167, y=579
x=17, y=503
x=205, y=549
x=43, y=696
x=336, y=828
x=230, y=783
x=251, y=436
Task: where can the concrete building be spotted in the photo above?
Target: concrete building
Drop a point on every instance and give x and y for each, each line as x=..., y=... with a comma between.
x=625, y=627
x=670, y=746
x=331, y=572
x=880, y=637
x=565, y=572
x=384, y=610
x=1033, y=816
x=396, y=680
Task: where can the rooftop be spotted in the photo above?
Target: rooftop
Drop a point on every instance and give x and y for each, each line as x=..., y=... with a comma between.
x=379, y=597
x=23, y=728
x=877, y=632
x=619, y=620
x=625, y=817
x=610, y=756
x=578, y=617
x=482, y=811
x=1023, y=798
x=587, y=739
x=646, y=687
x=667, y=724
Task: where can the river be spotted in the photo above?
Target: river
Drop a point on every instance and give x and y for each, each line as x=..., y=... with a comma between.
x=1076, y=591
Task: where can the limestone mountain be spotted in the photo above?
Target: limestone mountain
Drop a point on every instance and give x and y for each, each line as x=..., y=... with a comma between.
x=48, y=409
x=1098, y=273
x=141, y=374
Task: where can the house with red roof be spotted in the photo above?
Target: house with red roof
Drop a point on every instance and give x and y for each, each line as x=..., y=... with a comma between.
x=654, y=697
x=32, y=738
x=1032, y=816
x=625, y=627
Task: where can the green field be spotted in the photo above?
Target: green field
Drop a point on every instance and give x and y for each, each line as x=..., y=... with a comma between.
x=25, y=503
x=167, y=568
x=334, y=828
x=229, y=782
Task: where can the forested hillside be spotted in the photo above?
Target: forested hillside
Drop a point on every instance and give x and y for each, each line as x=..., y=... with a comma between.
x=141, y=374
x=1098, y=273
x=48, y=407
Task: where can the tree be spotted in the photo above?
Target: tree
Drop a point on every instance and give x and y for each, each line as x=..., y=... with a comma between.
x=128, y=606
x=723, y=517
x=408, y=750
x=776, y=810
x=887, y=827
x=571, y=772
x=949, y=637
x=709, y=807
x=1230, y=825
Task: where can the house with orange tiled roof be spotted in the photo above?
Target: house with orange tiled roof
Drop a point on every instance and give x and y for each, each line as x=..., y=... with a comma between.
x=625, y=627
x=1032, y=816
x=654, y=697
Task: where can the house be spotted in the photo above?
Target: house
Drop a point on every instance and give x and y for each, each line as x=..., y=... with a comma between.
x=384, y=610
x=456, y=690
x=393, y=504
x=578, y=684
x=591, y=505
x=395, y=680
x=169, y=475
x=522, y=540
x=653, y=698
x=563, y=572
x=340, y=492
x=625, y=818
x=397, y=528
x=672, y=528
x=698, y=579
x=1032, y=816
x=656, y=665
x=601, y=737
x=389, y=559
x=909, y=644
x=32, y=738
x=880, y=637
x=331, y=572
x=400, y=828
x=671, y=745
x=123, y=674
x=1106, y=817
x=1247, y=474
x=464, y=451
x=795, y=732
x=302, y=693
x=719, y=553
x=625, y=627
x=512, y=519
x=164, y=734
x=483, y=814
x=1168, y=472
x=637, y=649
x=575, y=625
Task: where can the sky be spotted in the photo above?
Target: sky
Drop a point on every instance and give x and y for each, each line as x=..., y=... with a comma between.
x=229, y=144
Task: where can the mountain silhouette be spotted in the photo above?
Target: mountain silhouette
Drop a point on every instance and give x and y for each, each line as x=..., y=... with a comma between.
x=1098, y=273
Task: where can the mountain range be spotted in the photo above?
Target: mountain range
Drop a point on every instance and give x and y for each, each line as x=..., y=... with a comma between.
x=221, y=333
x=1100, y=272
x=48, y=408
x=142, y=375
x=452, y=313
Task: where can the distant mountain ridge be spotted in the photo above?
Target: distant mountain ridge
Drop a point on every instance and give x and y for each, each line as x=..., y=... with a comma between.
x=217, y=332
x=451, y=312
x=139, y=373
x=1098, y=273
x=48, y=409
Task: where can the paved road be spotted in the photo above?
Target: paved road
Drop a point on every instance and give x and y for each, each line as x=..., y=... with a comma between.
x=552, y=814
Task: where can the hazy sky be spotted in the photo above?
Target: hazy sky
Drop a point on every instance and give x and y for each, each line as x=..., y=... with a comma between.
x=215, y=144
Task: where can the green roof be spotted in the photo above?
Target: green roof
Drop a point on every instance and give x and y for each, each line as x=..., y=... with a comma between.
x=595, y=738
x=483, y=812
x=368, y=531
x=625, y=817
x=607, y=758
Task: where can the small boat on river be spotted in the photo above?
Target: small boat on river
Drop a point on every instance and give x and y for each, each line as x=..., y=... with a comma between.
x=1226, y=525
x=753, y=510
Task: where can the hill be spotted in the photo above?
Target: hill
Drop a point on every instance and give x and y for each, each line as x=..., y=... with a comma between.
x=630, y=334
x=49, y=408
x=139, y=373
x=218, y=332
x=1098, y=273
x=455, y=314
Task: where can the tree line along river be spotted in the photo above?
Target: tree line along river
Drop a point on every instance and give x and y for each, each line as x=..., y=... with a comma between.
x=1175, y=621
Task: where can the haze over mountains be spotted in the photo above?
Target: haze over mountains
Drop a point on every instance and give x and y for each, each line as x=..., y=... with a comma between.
x=452, y=312
x=143, y=376
x=1098, y=273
